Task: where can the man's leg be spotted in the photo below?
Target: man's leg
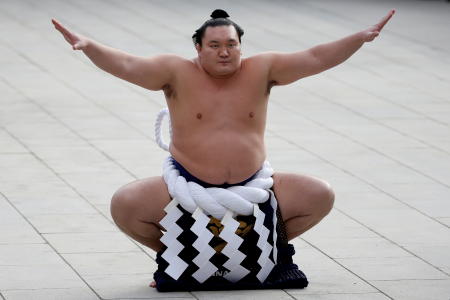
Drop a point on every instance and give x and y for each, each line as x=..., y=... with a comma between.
x=138, y=207
x=303, y=201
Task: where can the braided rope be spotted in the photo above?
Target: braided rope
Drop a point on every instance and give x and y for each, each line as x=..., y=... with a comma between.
x=216, y=201
x=158, y=135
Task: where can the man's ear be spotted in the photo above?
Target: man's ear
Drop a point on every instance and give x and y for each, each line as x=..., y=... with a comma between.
x=198, y=48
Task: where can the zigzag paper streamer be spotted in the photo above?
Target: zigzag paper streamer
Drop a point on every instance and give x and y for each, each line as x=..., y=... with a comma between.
x=231, y=249
x=274, y=204
x=264, y=259
x=206, y=268
x=176, y=264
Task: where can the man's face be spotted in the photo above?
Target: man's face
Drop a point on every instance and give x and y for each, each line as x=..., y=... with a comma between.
x=220, y=53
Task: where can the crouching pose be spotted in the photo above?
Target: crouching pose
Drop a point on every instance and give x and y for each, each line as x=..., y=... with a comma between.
x=220, y=217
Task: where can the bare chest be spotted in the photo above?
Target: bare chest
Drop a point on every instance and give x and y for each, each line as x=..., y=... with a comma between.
x=198, y=98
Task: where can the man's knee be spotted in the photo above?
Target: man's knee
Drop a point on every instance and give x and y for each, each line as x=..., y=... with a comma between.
x=122, y=205
x=325, y=198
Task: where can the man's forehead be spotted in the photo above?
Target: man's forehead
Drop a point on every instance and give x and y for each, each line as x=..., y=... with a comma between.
x=218, y=33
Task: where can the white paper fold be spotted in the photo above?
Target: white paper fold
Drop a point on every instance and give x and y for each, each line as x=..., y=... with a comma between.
x=176, y=264
x=231, y=250
x=206, y=268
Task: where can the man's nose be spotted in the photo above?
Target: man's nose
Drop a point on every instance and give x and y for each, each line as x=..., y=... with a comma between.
x=223, y=52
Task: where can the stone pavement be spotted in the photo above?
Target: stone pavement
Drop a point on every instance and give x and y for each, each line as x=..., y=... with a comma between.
x=377, y=128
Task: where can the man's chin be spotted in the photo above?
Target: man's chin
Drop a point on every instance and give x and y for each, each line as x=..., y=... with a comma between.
x=222, y=71
x=225, y=71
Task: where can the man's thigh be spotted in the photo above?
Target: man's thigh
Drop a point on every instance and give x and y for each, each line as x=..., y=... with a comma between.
x=302, y=196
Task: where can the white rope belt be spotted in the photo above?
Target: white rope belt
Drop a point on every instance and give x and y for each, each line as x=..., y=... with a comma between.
x=223, y=204
x=216, y=201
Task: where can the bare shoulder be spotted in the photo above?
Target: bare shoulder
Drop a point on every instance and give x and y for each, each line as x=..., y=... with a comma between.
x=264, y=58
x=178, y=64
x=167, y=59
x=260, y=61
x=285, y=68
x=260, y=65
x=260, y=58
x=154, y=72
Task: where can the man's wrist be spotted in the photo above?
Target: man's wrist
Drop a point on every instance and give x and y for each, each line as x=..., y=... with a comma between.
x=88, y=43
x=362, y=36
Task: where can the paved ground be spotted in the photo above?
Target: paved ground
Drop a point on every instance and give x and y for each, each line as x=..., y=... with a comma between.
x=377, y=128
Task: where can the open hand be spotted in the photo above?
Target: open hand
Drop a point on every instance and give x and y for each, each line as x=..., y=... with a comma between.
x=78, y=42
x=373, y=31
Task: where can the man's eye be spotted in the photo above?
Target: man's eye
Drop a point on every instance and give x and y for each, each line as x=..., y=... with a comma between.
x=214, y=46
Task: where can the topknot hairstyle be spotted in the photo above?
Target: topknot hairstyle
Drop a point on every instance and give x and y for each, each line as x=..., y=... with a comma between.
x=219, y=17
x=219, y=13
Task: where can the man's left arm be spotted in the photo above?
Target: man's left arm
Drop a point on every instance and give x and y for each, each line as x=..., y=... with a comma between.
x=289, y=67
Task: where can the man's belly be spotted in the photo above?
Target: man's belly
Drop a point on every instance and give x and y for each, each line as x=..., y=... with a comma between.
x=221, y=157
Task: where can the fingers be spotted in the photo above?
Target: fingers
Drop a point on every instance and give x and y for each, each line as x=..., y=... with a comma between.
x=70, y=37
x=374, y=30
x=60, y=28
x=58, y=25
x=386, y=19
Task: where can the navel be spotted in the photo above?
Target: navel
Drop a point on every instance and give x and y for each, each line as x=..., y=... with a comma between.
x=251, y=114
x=199, y=116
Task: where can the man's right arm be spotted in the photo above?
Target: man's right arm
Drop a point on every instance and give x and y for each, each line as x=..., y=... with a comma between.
x=151, y=73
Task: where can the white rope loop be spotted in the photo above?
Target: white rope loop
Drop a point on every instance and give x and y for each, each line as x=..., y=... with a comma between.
x=158, y=134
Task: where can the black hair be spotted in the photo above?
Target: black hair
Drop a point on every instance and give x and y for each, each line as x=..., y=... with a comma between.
x=219, y=17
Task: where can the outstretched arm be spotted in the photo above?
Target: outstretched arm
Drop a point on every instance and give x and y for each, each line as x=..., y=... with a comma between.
x=151, y=73
x=287, y=68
